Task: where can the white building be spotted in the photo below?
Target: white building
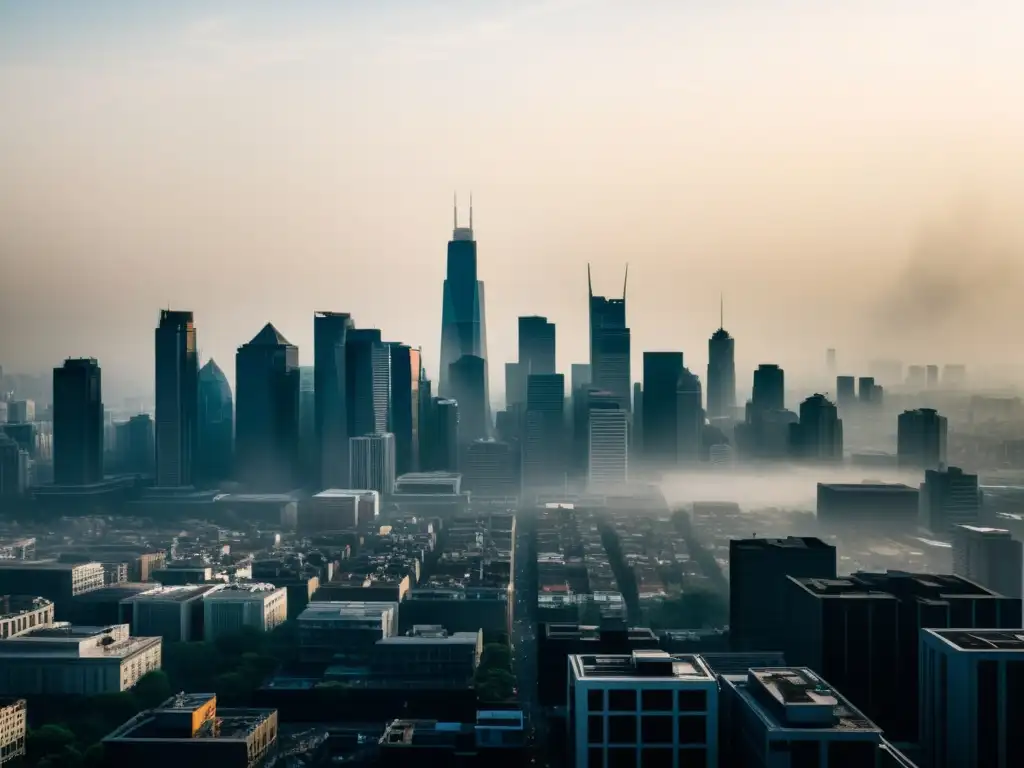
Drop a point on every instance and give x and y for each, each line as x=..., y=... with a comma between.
x=22, y=613
x=372, y=462
x=262, y=606
x=990, y=557
x=608, y=464
x=645, y=709
x=12, y=730
x=783, y=716
x=971, y=695
x=63, y=659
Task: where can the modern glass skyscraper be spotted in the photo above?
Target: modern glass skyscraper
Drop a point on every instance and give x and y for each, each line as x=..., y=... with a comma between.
x=77, y=423
x=609, y=344
x=177, y=398
x=463, y=330
x=536, y=345
x=216, y=425
x=721, y=375
x=330, y=398
x=661, y=382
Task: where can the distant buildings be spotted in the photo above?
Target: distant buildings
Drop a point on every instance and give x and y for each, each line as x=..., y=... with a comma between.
x=949, y=498
x=990, y=557
x=769, y=393
x=608, y=443
x=818, y=436
x=77, y=423
x=136, y=444
x=846, y=391
x=467, y=377
x=403, y=418
x=267, y=412
x=921, y=439
x=662, y=372
x=544, y=444
x=21, y=412
x=216, y=445
x=372, y=462
x=689, y=418
x=491, y=469
x=868, y=506
x=330, y=396
x=610, y=344
x=14, y=468
x=721, y=375
x=440, y=429
x=177, y=399
x=368, y=381
x=536, y=345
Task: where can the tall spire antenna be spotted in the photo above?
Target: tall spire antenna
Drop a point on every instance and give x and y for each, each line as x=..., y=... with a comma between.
x=590, y=285
x=624, y=281
x=721, y=310
x=455, y=209
x=470, y=210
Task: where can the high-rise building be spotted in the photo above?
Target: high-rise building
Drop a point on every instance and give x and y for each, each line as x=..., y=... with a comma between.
x=758, y=569
x=14, y=474
x=77, y=423
x=921, y=439
x=769, y=388
x=689, y=418
x=721, y=375
x=367, y=381
x=330, y=396
x=610, y=344
x=267, y=411
x=515, y=384
x=372, y=460
x=446, y=436
x=662, y=371
x=636, y=438
x=544, y=439
x=136, y=444
x=866, y=390
x=990, y=557
x=608, y=443
x=490, y=470
x=406, y=370
x=949, y=498
x=216, y=425
x=177, y=398
x=846, y=391
x=818, y=436
x=21, y=411
x=972, y=698
x=467, y=378
x=932, y=376
x=580, y=376
x=463, y=324
x=536, y=345
x=309, y=448
x=830, y=361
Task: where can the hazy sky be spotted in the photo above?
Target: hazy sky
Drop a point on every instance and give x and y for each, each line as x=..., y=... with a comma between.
x=850, y=174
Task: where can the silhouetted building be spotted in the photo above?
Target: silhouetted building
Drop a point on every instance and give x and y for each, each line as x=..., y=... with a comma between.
x=330, y=397
x=406, y=368
x=463, y=328
x=721, y=375
x=769, y=392
x=368, y=381
x=14, y=475
x=932, y=375
x=21, y=411
x=309, y=447
x=689, y=418
x=949, y=498
x=544, y=443
x=469, y=389
x=846, y=391
x=77, y=423
x=267, y=411
x=491, y=469
x=862, y=632
x=441, y=437
x=135, y=444
x=216, y=425
x=868, y=506
x=177, y=399
x=515, y=385
x=372, y=462
x=757, y=572
x=609, y=344
x=536, y=345
x=972, y=698
x=662, y=371
x=608, y=443
x=921, y=439
x=580, y=376
x=830, y=361
x=990, y=557
x=916, y=377
x=818, y=436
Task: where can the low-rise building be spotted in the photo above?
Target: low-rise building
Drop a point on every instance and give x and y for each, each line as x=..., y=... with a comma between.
x=21, y=613
x=12, y=730
x=262, y=606
x=177, y=614
x=344, y=631
x=64, y=659
x=429, y=652
x=55, y=581
x=189, y=729
x=338, y=509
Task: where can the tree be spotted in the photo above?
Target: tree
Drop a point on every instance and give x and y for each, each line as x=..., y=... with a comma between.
x=152, y=689
x=496, y=656
x=48, y=741
x=495, y=685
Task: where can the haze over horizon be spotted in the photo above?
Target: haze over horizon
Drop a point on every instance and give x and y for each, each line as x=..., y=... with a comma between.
x=847, y=176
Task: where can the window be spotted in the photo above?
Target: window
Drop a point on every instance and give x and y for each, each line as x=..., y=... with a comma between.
x=692, y=729
x=805, y=754
x=622, y=757
x=693, y=758
x=595, y=701
x=657, y=757
x=656, y=700
x=693, y=701
x=595, y=757
x=851, y=754
x=622, y=700
x=656, y=729
x=595, y=729
x=622, y=729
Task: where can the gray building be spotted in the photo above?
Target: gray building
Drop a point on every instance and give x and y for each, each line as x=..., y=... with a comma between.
x=429, y=652
x=491, y=469
x=921, y=439
x=344, y=631
x=77, y=423
x=372, y=462
x=177, y=398
x=949, y=498
x=331, y=419
x=544, y=444
x=990, y=557
x=536, y=345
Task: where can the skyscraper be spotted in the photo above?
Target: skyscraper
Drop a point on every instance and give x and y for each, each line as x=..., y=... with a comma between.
x=372, y=460
x=544, y=444
x=403, y=421
x=467, y=377
x=818, y=436
x=515, y=384
x=330, y=396
x=463, y=328
x=536, y=345
x=77, y=423
x=990, y=557
x=610, y=344
x=490, y=469
x=661, y=380
x=216, y=425
x=721, y=375
x=689, y=417
x=846, y=391
x=949, y=497
x=921, y=439
x=367, y=381
x=769, y=388
x=177, y=398
x=267, y=414
x=608, y=443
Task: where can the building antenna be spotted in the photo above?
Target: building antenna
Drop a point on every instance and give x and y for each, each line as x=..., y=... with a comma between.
x=624, y=281
x=455, y=209
x=470, y=210
x=721, y=311
x=590, y=285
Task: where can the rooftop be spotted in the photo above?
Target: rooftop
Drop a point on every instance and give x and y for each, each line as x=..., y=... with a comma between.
x=869, y=487
x=43, y=565
x=642, y=665
x=15, y=605
x=175, y=593
x=174, y=720
x=342, y=493
x=241, y=591
x=981, y=639
x=795, y=698
x=790, y=542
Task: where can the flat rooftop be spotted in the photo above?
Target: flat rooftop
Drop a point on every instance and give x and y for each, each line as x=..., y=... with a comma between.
x=240, y=591
x=790, y=542
x=178, y=594
x=841, y=588
x=343, y=493
x=455, y=638
x=788, y=699
x=642, y=665
x=982, y=639
x=869, y=488
x=41, y=565
x=15, y=605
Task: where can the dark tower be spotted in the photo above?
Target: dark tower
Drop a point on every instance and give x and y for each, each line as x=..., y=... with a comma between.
x=403, y=419
x=330, y=398
x=77, y=423
x=721, y=373
x=661, y=379
x=536, y=345
x=468, y=387
x=215, y=451
x=177, y=399
x=610, y=343
x=769, y=388
x=267, y=429
x=818, y=436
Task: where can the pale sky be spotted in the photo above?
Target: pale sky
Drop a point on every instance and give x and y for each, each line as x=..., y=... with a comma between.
x=849, y=174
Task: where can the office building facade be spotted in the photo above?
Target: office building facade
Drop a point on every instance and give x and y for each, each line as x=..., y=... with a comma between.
x=721, y=375
x=608, y=447
x=949, y=498
x=544, y=444
x=330, y=396
x=610, y=344
x=177, y=399
x=372, y=460
x=662, y=372
x=921, y=439
x=216, y=446
x=990, y=557
x=536, y=345
x=78, y=423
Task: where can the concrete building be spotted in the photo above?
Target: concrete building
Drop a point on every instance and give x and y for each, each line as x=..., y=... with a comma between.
x=13, y=724
x=55, y=581
x=789, y=716
x=921, y=439
x=63, y=659
x=607, y=448
x=21, y=613
x=262, y=606
x=344, y=631
x=21, y=411
x=372, y=462
x=647, y=708
x=972, y=698
x=189, y=729
x=990, y=557
x=949, y=498
x=429, y=652
x=176, y=614
x=491, y=469
x=337, y=509
x=14, y=468
x=458, y=609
